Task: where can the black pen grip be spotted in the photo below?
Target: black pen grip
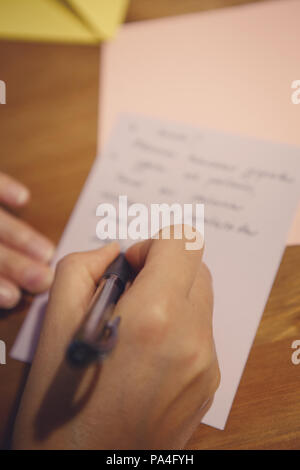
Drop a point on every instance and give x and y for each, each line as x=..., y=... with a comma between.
x=121, y=268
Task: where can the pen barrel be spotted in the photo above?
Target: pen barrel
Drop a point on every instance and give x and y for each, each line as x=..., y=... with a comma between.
x=98, y=332
x=101, y=309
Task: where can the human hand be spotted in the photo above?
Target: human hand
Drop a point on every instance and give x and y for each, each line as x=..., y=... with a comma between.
x=24, y=253
x=160, y=379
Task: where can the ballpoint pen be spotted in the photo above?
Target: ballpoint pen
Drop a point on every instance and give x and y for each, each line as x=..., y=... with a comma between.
x=97, y=335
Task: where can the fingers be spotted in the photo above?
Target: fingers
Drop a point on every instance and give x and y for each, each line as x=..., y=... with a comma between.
x=76, y=278
x=12, y=192
x=21, y=270
x=16, y=269
x=19, y=235
x=10, y=294
x=168, y=264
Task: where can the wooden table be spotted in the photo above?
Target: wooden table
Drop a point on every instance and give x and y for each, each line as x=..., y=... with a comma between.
x=48, y=140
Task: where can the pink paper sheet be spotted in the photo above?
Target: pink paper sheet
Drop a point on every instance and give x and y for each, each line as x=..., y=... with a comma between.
x=229, y=69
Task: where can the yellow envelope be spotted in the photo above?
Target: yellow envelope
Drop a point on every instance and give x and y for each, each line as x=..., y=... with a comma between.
x=70, y=21
x=101, y=16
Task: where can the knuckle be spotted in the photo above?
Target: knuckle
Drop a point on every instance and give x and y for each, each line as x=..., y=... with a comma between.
x=153, y=323
x=200, y=353
x=209, y=370
x=215, y=379
x=207, y=357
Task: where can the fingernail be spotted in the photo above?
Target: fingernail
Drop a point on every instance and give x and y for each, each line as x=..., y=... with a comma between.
x=16, y=194
x=9, y=297
x=37, y=278
x=41, y=249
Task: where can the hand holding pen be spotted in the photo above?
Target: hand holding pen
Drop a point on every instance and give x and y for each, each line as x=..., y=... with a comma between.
x=160, y=377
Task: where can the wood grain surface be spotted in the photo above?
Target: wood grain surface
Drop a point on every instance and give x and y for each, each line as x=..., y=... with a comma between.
x=48, y=140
